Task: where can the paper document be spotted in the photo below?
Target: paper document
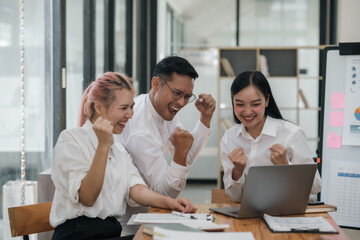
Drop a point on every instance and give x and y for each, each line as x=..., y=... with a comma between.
x=351, y=129
x=141, y=218
x=345, y=192
x=206, y=225
x=299, y=224
x=166, y=234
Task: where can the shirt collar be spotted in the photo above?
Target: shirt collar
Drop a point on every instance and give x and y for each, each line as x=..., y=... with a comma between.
x=268, y=129
x=150, y=107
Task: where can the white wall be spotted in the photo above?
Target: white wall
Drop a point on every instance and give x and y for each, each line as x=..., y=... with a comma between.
x=348, y=21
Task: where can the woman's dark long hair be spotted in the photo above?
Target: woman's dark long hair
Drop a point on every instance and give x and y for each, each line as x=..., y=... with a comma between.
x=258, y=80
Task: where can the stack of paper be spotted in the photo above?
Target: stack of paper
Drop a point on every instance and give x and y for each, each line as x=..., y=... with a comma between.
x=198, y=221
x=299, y=224
x=166, y=234
x=149, y=228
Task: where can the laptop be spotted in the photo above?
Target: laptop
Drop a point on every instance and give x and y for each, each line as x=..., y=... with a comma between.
x=274, y=190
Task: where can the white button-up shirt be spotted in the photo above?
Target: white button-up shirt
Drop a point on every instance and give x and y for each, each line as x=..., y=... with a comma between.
x=71, y=160
x=146, y=137
x=257, y=151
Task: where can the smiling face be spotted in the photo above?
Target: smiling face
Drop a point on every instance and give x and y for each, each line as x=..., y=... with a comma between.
x=120, y=110
x=162, y=98
x=249, y=108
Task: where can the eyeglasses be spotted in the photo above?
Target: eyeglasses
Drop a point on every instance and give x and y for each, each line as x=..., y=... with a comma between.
x=176, y=95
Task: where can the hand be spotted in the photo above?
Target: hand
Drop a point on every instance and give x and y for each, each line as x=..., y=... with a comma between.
x=206, y=104
x=278, y=154
x=182, y=205
x=182, y=141
x=104, y=131
x=239, y=159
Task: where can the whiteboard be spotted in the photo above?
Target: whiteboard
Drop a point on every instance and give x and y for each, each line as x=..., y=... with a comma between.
x=340, y=164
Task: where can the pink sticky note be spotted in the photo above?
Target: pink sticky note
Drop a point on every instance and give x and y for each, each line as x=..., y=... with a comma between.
x=338, y=100
x=336, y=119
x=333, y=140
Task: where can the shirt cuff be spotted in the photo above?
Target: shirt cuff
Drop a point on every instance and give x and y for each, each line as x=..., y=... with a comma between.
x=236, y=183
x=179, y=171
x=203, y=128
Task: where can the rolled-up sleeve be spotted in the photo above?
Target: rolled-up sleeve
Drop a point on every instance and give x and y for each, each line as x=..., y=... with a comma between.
x=70, y=166
x=133, y=179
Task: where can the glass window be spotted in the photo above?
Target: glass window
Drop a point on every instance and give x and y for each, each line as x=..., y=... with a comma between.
x=210, y=23
x=279, y=23
x=75, y=50
x=120, y=37
x=74, y=60
x=10, y=92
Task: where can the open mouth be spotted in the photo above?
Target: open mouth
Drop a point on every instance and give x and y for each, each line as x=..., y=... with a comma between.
x=248, y=118
x=173, y=109
x=122, y=124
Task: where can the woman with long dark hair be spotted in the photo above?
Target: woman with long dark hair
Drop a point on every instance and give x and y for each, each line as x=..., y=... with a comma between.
x=261, y=136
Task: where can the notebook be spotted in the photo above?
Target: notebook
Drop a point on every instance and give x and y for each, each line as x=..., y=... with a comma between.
x=274, y=190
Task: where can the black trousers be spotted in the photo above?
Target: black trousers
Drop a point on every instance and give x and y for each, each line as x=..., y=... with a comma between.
x=84, y=228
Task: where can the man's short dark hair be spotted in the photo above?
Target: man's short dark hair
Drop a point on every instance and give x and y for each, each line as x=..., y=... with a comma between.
x=177, y=64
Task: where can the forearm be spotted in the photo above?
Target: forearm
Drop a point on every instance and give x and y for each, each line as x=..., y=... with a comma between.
x=205, y=119
x=144, y=196
x=201, y=135
x=234, y=191
x=151, y=163
x=171, y=181
x=92, y=183
x=180, y=157
x=236, y=173
x=233, y=187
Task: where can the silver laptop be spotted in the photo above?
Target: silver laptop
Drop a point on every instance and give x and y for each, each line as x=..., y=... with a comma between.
x=274, y=190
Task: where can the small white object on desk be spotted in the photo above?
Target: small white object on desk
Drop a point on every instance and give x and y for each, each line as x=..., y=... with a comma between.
x=207, y=217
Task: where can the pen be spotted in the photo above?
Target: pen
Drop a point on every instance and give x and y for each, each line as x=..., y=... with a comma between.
x=183, y=215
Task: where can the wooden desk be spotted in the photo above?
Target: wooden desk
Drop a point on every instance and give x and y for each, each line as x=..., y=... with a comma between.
x=255, y=225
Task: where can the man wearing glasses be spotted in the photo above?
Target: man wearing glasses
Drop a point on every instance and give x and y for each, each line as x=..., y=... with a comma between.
x=155, y=127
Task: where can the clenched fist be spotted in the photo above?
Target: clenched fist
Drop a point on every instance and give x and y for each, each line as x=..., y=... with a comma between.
x=278, y=154
x=206, y=105
x=182, y=141
x=239, y=159
x=104, y=131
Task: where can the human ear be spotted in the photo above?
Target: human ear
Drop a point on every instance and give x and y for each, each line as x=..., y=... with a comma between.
x=98, y=107
x=267, y=100
x=155, y=83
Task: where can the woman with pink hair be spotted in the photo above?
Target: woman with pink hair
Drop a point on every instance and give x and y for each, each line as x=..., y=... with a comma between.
x=93, y=175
